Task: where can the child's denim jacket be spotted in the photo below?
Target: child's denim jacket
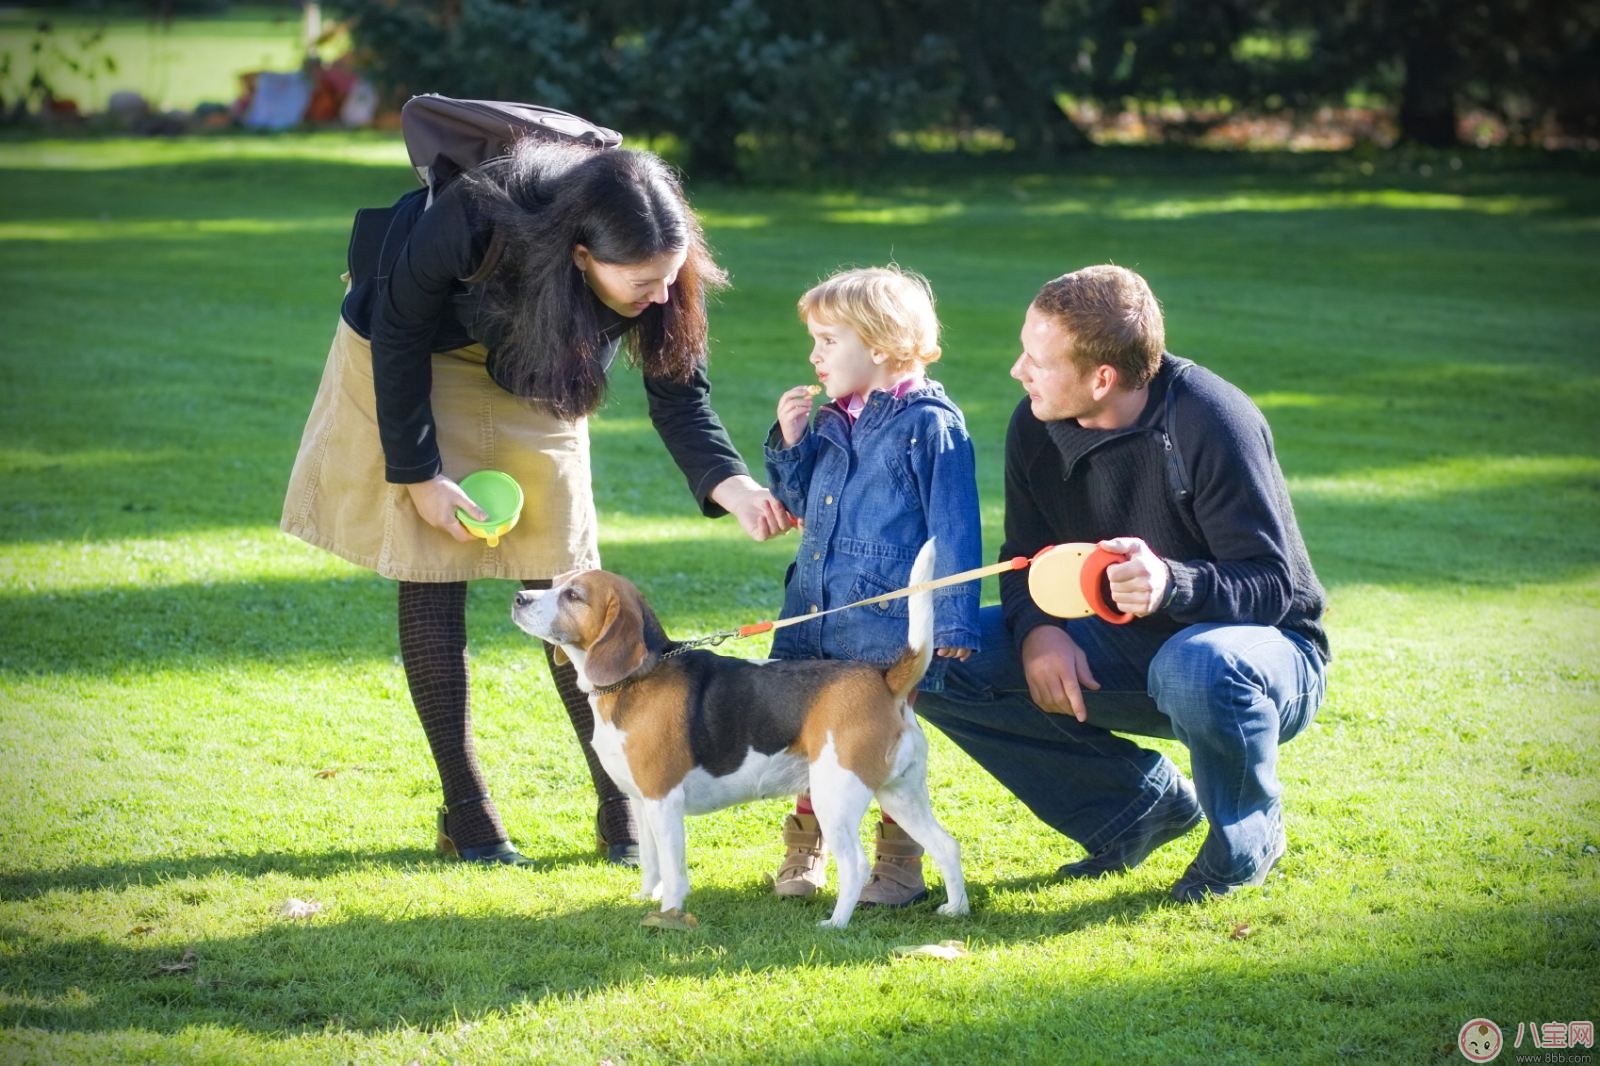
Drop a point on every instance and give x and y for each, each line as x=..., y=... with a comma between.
x=870, y=495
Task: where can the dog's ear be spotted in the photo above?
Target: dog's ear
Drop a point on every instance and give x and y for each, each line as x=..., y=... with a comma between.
x=619, y=649
x=655, y=638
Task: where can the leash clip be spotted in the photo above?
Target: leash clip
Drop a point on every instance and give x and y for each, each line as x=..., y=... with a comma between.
x=712, y=641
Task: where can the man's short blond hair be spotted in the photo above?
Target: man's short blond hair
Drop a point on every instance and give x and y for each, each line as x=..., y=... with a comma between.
x=890, y=308
x=1112, y=317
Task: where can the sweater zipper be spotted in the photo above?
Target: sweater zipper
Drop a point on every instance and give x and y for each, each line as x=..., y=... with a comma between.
x=1110, y=438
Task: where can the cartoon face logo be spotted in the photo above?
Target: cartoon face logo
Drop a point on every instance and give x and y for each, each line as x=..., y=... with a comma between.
x=1480, y=1040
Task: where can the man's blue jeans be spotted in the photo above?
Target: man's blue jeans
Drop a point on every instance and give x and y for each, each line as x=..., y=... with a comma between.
x=1231, y=693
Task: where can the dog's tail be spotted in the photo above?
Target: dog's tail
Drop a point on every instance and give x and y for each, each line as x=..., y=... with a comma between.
x=913, y=663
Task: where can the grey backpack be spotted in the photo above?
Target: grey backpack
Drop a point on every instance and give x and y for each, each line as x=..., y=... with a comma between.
x=444, y=137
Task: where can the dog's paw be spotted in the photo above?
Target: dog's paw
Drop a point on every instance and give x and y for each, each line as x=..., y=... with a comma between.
x=673, y=919
x=829, y=923
x=955, y=908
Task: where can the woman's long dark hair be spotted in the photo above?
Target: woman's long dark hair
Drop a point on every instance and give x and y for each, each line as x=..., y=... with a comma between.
x=625, y=207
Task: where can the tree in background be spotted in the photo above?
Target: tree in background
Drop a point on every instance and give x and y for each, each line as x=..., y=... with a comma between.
x=721, y=72
x=792, y=85
x=710, y=72
x=1534, y=64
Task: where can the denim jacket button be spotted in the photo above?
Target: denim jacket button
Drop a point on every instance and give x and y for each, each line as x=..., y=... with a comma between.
x=816, y=555
x=814, y=608
x=829, y=500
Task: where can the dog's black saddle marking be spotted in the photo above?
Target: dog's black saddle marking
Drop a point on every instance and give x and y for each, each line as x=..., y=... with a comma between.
x=722, y=694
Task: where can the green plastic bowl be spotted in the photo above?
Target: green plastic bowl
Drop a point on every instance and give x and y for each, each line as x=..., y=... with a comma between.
x=501, y=499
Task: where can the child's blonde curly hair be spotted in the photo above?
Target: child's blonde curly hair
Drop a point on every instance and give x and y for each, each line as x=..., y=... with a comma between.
x=890, y=308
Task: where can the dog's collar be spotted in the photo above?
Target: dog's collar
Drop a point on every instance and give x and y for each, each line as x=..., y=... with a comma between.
x=672, y=652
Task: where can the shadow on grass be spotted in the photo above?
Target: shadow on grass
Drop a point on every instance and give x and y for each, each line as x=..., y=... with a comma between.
x=1242, y=1000
x=193, y=627
x=370, y=974
x=122, y=875
x=196, y=627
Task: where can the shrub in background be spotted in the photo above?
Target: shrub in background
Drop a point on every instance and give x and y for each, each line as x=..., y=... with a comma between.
x=716, y=76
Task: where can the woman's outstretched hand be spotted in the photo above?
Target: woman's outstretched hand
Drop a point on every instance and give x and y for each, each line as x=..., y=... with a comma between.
x=436, y=501
x=757, y=510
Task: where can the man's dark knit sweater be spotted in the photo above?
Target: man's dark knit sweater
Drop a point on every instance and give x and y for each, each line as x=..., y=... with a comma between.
x=1238, y=557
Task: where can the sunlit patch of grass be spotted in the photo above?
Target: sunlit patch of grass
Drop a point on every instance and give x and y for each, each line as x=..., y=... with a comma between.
x=729, y=220
x=1391, y=199
x=1271, y=402
x=197, y=557
x=904, y=215
x=111, y=230
x=1448, y=476
x=15, y=460
x=357, y=149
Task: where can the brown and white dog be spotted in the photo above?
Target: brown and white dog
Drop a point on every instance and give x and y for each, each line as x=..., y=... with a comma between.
x=686, y=731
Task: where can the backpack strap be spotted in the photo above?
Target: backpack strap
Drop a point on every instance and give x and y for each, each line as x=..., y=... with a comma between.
x=1177, y=476
x=377, y=235
x=491, y=259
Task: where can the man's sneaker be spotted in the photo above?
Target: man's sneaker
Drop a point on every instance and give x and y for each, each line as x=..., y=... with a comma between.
x=1175, y=813
x=1194, y=886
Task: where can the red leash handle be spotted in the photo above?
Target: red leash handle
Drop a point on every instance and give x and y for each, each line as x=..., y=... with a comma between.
x=1091, y=579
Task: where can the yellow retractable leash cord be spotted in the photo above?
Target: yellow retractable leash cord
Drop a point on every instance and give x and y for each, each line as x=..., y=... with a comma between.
x=1065, y=580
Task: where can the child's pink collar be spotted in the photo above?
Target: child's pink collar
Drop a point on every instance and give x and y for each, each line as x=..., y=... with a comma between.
x=854, y=404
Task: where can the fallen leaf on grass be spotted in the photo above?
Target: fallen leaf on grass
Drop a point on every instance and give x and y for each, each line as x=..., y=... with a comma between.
x=141, y=930
x=183, y=965
x=299, y=908
x=1241, y=931
x=944, y=949
x=335, y=771
x=673, y=919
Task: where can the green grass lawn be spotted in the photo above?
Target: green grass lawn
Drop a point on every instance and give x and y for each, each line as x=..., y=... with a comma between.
x=201, y=718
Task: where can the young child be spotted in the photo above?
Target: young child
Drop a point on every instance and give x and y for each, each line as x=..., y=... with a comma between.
x=884, y=466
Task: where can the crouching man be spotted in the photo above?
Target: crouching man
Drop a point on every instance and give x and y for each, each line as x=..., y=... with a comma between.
x=1121, y=443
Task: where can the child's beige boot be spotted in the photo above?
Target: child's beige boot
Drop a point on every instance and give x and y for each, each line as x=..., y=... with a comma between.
x=896, y=879
x=805, y=865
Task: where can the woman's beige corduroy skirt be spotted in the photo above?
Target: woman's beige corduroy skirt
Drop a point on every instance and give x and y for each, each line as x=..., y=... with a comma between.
x=338, y=498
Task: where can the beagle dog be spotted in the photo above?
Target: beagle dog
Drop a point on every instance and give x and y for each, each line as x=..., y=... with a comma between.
x=685, y=731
